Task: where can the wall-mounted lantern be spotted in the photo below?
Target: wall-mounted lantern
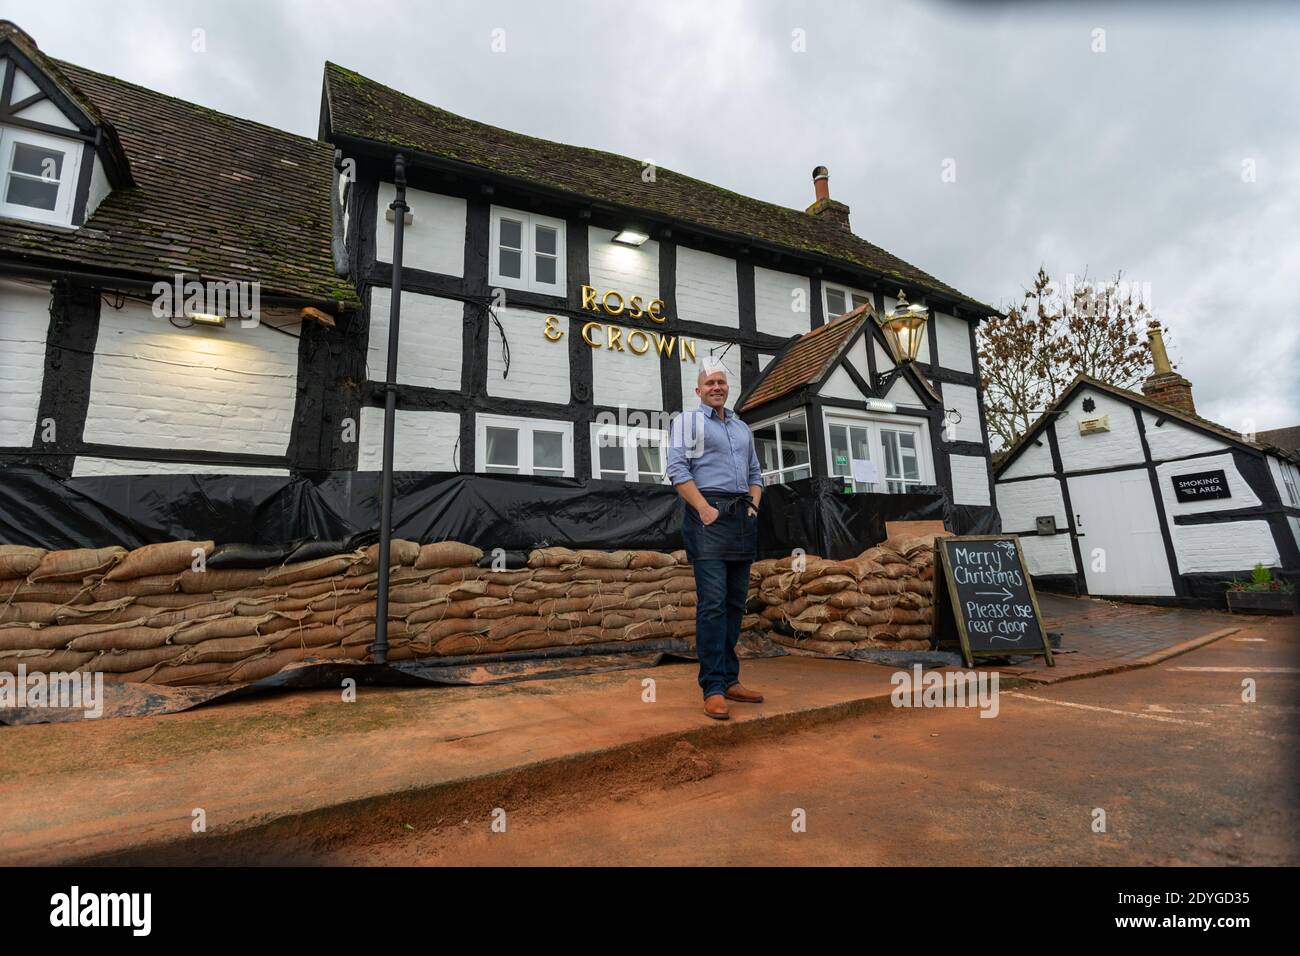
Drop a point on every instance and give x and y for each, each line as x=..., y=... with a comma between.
x=904, y=328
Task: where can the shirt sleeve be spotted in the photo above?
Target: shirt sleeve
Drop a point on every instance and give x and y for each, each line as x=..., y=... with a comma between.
x=755, y=472
x=677, y=470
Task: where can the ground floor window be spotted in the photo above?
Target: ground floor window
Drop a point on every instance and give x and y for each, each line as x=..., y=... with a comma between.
x=782, y=447
x=524, y=446
x=890, y=454
x=619, y=453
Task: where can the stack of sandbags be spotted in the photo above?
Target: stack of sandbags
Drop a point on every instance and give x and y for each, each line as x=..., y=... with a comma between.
x=158, y=614
x=883, y=598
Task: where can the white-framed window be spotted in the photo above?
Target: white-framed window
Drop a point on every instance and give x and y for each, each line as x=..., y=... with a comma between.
x=1289, y=479
x=527, y=252
x=782, y=448
x=898, y=450
x=523, y=446
x=839, y=299
x=38, y=176
x=619, y=453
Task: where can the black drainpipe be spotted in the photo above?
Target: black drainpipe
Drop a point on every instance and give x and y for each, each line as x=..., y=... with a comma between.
x=379, y=650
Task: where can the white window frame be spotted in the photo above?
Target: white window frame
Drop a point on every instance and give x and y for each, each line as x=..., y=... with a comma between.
x=528, y=282
x=849, y=292
x=777, y=475
x=61, y=214
x=627, y=441
x=1289, y=472
x=875, y=424
x=526, y=427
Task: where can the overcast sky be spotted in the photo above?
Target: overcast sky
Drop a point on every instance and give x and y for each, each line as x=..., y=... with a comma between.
x=1135, y=157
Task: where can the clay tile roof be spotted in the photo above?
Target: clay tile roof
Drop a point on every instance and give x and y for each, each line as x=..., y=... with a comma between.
x=1288, y=439
x=807, y=359
x=358, y=107
x=214, y=197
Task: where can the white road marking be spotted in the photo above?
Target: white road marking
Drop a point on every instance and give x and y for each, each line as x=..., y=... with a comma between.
x=1130, y=713
x=1239, y=670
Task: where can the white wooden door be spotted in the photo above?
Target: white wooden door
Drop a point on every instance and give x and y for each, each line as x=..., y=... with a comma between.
x=1119, y=534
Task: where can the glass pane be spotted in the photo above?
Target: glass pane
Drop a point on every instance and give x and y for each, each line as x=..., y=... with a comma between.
x=611, y=458
x=647, y=458
x=545, y=270
x=502, y=446
x=500, y=470
x=765, y=446
x=549, y=472
x=834, y=303
x=861, y=443
x=893, y=469
x=797, y=473
x=859, y=300
x=613, y=475
x=35, y=193
x=512, y=234
x=546, y=240
x=548, y=450
x=839, y=450
x=907, y=451
x=510, y=264
x=794, y=442
x=38, y=161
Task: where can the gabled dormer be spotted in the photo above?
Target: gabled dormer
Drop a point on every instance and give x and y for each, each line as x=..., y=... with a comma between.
x=58, y=157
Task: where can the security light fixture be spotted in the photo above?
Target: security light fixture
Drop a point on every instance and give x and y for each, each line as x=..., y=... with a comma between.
x=204, y=318
x=631, y=237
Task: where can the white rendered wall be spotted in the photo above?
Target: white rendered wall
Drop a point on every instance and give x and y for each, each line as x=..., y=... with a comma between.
x=435, y=239
x=422, y=441
x=706, y=288
x=1172, y=440
x=1032, y=460
x=1224, y=546
x=202, y=388
x=965, y=400
x=953, y=337
x=86, y=467
x=24, y=322
x=776, y=296
x=970, y=479
x=1047, y=554
x=1119, y=446
x=1020, y=502
x=624, y=377
x=430, y=339
x=628, y=270
x=539, y=368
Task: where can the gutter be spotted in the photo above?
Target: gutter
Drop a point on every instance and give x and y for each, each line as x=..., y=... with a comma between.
x=109, y=280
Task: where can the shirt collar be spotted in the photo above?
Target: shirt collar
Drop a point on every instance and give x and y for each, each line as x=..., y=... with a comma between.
x=707, y=410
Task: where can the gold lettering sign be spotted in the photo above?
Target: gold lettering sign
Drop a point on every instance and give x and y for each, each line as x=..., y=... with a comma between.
x=601, y=335
x=613, y=302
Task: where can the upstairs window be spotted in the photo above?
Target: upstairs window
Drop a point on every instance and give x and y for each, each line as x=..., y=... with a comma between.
x=839, y=299
x=782, y=449
x=527, y=252
x=38, y=175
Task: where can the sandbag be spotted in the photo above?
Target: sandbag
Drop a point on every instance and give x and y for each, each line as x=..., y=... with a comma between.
x=309, y=570
x=76, y=564
x=18, y=561
x=168, y=557
x=447, y=554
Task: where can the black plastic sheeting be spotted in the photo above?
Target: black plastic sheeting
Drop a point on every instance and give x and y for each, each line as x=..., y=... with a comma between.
x=273, y=519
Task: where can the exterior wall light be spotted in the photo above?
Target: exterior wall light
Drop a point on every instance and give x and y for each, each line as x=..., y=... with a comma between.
x=904, y=328
x=631, y=237
x=203, y=318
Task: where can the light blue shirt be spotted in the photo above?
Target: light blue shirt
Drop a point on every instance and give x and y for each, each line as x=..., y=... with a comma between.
x=713, y=449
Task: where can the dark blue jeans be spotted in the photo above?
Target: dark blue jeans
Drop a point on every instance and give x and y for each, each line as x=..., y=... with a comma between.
x=720, y=554
x=721, y=589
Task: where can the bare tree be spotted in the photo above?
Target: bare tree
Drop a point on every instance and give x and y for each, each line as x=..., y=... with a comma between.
x=1053, y=334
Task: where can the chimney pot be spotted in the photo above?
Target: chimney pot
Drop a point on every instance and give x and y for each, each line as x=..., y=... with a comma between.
x=824, y=207
x=1164, y=384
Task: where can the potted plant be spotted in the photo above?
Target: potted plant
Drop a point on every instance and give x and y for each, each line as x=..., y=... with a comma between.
x=1262, y=594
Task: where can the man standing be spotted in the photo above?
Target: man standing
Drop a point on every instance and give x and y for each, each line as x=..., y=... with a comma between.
x=714, y=467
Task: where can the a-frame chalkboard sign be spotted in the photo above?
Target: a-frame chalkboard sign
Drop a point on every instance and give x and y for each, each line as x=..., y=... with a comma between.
x=984, y=599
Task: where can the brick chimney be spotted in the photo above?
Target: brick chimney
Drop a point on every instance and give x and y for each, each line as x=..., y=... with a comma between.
x=1165, y=385
x=825, y=207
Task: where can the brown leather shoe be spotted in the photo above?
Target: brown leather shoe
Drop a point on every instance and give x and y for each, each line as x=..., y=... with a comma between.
x=743, y=694
x=715, y=706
